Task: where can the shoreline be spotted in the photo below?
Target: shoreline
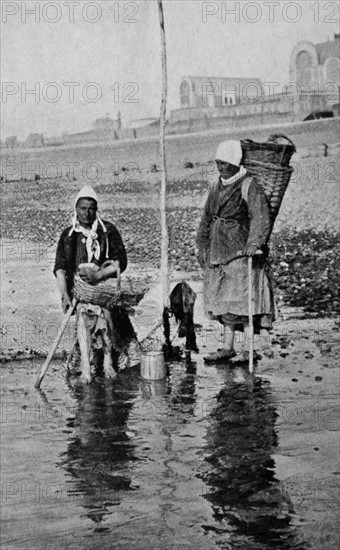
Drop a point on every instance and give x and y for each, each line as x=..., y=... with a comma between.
x=288, y=127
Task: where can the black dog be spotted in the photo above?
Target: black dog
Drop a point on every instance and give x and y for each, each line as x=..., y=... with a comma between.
x=182, y=301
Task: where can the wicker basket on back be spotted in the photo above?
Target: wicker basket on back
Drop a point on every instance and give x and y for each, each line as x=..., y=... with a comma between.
x=110, y=293
x=269, y=152
x=269, y=163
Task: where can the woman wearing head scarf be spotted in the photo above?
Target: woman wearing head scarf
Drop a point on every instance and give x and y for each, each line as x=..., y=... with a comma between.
x=89, y=240
x=235, y=222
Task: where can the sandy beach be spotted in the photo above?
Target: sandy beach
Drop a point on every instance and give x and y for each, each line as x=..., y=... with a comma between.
x=211, y=457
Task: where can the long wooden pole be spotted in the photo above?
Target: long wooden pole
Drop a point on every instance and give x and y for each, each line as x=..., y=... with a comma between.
x=165, y=236
x=55, y=343
x=251, y=310
x=250, y=314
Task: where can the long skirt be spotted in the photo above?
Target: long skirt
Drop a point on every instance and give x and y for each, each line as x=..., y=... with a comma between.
x=226, y=294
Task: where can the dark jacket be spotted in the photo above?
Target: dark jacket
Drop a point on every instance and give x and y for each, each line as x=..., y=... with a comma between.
x=229, y=222
x=67, y=250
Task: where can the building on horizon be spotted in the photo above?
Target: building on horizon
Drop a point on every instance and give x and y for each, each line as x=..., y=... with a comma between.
x=34, y=140
x=313, y=92
x=207, y=102
x=213, y=92
x=104, y=129
x=12, y=142
x=210, y=98
x=144, y=122
x=107, y=124
x=316, y=67
x=53, y=141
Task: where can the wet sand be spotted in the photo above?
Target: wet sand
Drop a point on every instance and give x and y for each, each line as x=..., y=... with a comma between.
x=209, y=458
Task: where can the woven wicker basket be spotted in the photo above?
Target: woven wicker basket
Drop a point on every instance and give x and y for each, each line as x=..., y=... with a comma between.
x=270, y=152
x=109, y=293
x=274, y=181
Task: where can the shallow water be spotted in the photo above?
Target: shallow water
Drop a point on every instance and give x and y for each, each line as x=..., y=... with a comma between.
x=181, y=463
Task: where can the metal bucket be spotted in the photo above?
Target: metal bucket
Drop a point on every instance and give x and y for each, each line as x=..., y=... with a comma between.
x=153, y=365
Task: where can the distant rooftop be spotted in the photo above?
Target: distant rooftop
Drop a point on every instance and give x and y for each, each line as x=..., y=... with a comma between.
x=328, y=49
x=219, y=79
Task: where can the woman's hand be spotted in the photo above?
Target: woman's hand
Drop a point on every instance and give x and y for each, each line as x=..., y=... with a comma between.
x=250, y=250
x=112, y=264
x=65, y=301
x=89, y=273
x=91, y=277
x=108, y=269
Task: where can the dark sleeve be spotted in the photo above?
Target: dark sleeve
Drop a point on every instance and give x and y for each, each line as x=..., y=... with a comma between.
x=258, y=212
x=117, y=250
x=203, y=232
x=60, y=258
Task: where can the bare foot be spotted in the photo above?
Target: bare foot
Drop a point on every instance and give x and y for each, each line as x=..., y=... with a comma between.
x=86, y=378
x=123, y=361
x=108, y=366
x=243, y=357
x=110, y=372
x=219, y=356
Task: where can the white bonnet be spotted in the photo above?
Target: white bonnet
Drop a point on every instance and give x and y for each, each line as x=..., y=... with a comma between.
x=230, y=151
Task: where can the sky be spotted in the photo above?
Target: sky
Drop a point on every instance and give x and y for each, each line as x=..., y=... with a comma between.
x=86, y=59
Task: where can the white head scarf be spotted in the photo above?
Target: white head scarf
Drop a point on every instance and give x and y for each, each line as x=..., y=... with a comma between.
x=229, y=151
x=86, y=192
x=92, y=244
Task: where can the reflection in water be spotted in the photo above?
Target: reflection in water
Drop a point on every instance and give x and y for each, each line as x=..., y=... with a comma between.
x=140, y=464
x=253, y=510
x=101, y=452
x=174, y=490
x=183, y=390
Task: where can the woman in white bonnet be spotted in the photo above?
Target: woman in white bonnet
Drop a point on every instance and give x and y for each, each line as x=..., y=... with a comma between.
x=91, y=240
x=235, y=222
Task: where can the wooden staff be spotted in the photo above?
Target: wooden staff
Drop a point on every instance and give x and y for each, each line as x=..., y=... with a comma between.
x=250, y=314
x=55, y=343
x=165, y=236
x=251, y=310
